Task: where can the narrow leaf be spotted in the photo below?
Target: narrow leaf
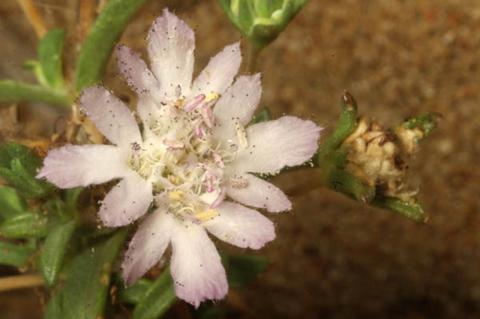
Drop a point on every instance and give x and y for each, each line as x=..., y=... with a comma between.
x=12, y=91
x=18, y=166
x=158, y=299
x=85, y=292
x=14, y=255
x=408, y=209
x=25, y=225
x=54, y=250
x=11, y=203
x=135, y=293
x=50, y=57
x=101, y=40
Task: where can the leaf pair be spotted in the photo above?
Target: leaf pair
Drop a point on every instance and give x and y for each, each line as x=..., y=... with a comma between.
x=18, y=166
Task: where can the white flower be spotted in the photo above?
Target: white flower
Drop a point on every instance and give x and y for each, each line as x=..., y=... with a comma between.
x=194, y=151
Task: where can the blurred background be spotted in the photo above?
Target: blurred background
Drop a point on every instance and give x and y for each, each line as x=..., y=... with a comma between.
x=333, y=257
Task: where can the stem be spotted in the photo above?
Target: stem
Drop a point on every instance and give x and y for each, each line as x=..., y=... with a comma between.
x=12, y=91
x=252, y=57
x=87, y=12
x=34, y=17
x=21, y=281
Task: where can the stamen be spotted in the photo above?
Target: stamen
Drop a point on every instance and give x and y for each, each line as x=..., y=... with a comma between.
x=206, y=215
x=193, y=104
x=173, y=145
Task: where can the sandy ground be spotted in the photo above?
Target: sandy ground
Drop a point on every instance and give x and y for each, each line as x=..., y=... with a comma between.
x=333, y=257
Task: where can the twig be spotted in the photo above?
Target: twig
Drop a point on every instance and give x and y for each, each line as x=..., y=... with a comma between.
x=87, y=12
x=19, y=282
x=34, y=16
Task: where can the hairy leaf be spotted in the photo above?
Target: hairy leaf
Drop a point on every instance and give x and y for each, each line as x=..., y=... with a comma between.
x=11, y=203
x=15, y=255
x=85, y=292
x=50, y=57
x=157, y=299
x=54, y=249
x=25, y=225
x=101, y=40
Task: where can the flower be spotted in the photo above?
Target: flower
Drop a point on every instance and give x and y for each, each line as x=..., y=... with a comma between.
x=194, y=151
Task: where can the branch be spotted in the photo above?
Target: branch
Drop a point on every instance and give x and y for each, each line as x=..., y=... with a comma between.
x=19, y=282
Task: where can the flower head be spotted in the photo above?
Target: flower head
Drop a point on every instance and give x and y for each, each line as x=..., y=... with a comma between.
x=194, y=159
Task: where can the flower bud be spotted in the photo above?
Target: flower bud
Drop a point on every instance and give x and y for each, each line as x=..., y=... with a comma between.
x=261, y=21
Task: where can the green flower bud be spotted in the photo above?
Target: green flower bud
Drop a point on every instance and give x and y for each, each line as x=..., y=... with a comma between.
x=261, y=21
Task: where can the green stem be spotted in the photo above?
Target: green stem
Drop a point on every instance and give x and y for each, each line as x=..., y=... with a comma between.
x=12, y=91
x=252, y=57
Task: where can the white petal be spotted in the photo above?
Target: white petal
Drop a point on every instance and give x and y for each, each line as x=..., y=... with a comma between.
x=196, y=268
x=272, y=145
x=127, y=201
x=237, y=104
x=136, y=72
x=147, y=246
x=170, y=46
x=241, y=226
x=259, y=193
x=83, y=165
x=220, y=71
x=110, y=115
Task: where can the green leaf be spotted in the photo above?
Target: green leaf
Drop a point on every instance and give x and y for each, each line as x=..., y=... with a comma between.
x=13, y=91
x=11, y=204
x=25, y=225
x=135, y=293
x=54, y=249
x=50, y=57
x=158, y=298
x=15, y=255
x=101, y=40
x=85, y=291
x=425, y=122
x=346, y=125
x=262, y=115
x=18, y=166
x=411, y=210
x=346, y=183
x=10, y=151
x=243, y=269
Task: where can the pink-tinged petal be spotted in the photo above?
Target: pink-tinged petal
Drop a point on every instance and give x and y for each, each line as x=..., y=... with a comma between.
x=241, y=226
x=259, y=193
x=136, y=72
x=147, y=246
x=196, y=268
x=110, y=115
x=237, y=105
x=83, y=165
x=170, y=46
x=127, y=201
x=272, y=145
x=219, y=73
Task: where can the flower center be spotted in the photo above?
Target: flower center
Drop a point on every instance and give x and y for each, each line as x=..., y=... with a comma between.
x=182, y=159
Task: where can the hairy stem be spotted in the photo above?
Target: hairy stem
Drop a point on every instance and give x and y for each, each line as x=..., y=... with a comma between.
x=34, y=17
x=21, y=281
x=86, y=16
